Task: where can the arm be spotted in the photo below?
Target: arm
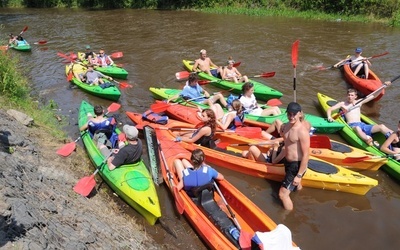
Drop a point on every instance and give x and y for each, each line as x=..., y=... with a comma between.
x=111, y=60
x=330, y=109
x=195, y=65
x=237, y=72
x=304, y=139
x=212, y=64
x=230, y=117
x=386, y=144
x=84, y=127
x=203, y=131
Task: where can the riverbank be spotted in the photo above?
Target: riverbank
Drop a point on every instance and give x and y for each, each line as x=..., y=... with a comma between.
x=39, y=209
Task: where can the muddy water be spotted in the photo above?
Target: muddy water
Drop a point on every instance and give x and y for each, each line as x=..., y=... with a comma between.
x=154, y=44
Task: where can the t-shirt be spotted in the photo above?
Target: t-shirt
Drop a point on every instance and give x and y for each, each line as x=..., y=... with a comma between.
x=93, y=76
x=190, y=92
x=250, y=105
x=128, y=154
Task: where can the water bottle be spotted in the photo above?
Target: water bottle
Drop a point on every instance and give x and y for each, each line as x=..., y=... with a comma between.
x=234, y=232
x=312, y=130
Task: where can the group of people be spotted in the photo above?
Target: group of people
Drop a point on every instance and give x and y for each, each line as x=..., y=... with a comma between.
x=100, y=59
x=118, y=150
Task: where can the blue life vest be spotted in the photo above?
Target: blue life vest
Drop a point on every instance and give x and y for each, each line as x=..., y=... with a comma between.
x=149, y=115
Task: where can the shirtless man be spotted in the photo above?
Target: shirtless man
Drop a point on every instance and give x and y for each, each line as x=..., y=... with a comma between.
x=297, y=143
x=204, y=64
x=353, y=116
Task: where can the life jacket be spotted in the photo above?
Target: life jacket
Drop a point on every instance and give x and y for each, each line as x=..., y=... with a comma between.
x=149, y=115
x=104, y=60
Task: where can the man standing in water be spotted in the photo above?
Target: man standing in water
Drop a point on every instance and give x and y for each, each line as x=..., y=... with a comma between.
x=297, y=143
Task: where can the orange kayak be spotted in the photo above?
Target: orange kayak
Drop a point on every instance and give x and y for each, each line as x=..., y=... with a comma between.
x=320, y=174
x=365, y=86
x=322, y=146
x=249, y=217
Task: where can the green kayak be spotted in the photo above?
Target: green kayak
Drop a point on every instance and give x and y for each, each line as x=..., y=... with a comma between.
x=261, y=91
x=319, y=123
x=132, y=182
x=25, y=47
x=113, y=70
x=392, y=167
x=111, y=93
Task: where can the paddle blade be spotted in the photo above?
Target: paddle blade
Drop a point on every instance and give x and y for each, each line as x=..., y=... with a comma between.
x=117, y=55
x=67, y=149
x=249, y=132
x=355, y=159
x=237, y=64
x=159, y=107
x=245, y=239
x=113, y=107
x=223, y=145
x=295, y=51
x=41, y=42
x=85, y=185
x=203, y=82
x=320, y=141
x=124, y=85
x=274, y=102
x=182, y=75
x=70, y=76
x=180, y=205
x=25, y=29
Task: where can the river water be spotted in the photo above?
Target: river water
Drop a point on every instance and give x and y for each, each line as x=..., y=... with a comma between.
x=154, y=44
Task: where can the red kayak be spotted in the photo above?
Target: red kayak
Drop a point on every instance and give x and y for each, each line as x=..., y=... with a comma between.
x=364, y=86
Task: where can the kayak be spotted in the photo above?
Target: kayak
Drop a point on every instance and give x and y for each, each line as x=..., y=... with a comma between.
x=112, y=70
x=261, y=91
x=364, y=86
x=207, y=212
x=320, y=174
x=320, y=124
x=111, y=92
x=131, y=182
x=25, y=47
x=392, y=167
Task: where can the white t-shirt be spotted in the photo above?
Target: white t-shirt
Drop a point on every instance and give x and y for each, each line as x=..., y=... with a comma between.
x=250, y=105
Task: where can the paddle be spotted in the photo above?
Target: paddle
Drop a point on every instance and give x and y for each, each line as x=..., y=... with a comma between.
x=182, y=75
x=244, y=238
x=265, y=75
x=40, y=42
x=179, y=203
x=25, y=29
x=338, y=64
x=361, y=101
x=163, y=106
x=371, y=57
x=295, y=50
x=123, y=85
x=65, y=56
x=87, y=183
x=117, y=55
x=67, y=149
x=364, y=158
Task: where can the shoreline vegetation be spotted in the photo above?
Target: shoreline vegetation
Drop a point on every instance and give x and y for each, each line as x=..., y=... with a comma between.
x=386, y=12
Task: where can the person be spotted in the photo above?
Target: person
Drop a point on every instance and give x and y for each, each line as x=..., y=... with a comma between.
x=358, y=62
x=193, y=91
x=275, y=154
x=353, y=116
x=392, y=144
x=12, y=39
x=93, y=77
x=125, y=154
x=90, y=56
x=20, y=41
x=103, y=59
x=297, y=143
x=203, y=135
x=204, y=64
x=100, y=127
x=230, y=73
x=233, y=118
x=250, y=104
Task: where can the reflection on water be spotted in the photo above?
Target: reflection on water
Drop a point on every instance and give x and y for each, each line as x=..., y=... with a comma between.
x=154, y=44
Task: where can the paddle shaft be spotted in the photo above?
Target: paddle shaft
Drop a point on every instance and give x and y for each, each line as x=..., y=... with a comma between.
x=295, y=49
x=227, y=205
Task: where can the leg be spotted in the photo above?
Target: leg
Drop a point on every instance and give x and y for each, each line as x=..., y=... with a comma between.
x=256, y=154
x=219, y=113
x=275, y=126
x=363, y=135
x=358, y=68
x=245, y=79
x=271, y=111
x=366, y=70
x=381, y=128
x=284, y=195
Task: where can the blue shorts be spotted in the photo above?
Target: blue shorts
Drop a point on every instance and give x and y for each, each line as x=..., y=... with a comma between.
x=366, y=128
x=215, y=73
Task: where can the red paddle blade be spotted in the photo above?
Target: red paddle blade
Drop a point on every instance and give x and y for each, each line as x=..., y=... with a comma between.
x=116, y=55
x=124, y=85
x=223, y=145
x=70, y=76
x=180, y=205
x=25, y=29
x=355, y=159
x=268, y=74
x=159, y=107
x=237, y=64
x=203, y=82
x=41, y=42
x=113, y=107
x=320, y=141
x=245, y=239
x=295, y=51
x=182, y=75
x=67, y=149
x=274, y=102
x=85, y=185
x=249, y=132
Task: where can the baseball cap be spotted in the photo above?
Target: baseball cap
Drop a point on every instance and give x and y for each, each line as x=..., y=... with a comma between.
x=87, y=46
x=293, y=107
x=358, y=50
x=130, y=131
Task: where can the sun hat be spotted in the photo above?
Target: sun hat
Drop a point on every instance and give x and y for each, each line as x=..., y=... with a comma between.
x=130, y=131
x=293, y=107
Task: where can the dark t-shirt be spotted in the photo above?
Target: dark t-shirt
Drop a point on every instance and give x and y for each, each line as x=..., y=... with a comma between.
x=128, y=154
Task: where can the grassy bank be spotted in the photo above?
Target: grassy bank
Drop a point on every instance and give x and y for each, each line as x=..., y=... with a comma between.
x=15, y=94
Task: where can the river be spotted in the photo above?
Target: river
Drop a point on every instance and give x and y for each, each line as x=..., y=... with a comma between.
x=154, y=44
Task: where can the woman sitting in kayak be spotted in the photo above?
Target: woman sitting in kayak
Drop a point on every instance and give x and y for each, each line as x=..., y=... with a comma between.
x=250, y=105
x=231, y=73
x=233, y=118
x=203, y=135
x=392, y=144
